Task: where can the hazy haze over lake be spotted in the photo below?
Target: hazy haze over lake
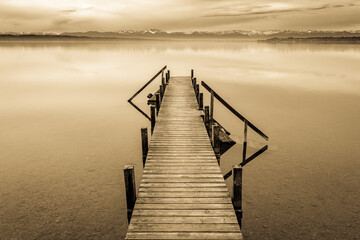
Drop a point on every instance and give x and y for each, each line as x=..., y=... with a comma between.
x=67, y=131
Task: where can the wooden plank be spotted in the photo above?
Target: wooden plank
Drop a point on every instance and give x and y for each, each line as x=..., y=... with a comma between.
x=194, y=220
x=184, y=206
x=207, y=227
x=183, y=235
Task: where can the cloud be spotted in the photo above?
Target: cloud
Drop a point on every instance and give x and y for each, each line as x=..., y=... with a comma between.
x=266, y=9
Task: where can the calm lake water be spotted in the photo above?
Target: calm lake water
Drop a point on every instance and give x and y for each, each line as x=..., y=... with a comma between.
x=67, y=131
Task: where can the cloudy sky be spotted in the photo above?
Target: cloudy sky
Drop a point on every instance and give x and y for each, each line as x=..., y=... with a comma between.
x=177, y=15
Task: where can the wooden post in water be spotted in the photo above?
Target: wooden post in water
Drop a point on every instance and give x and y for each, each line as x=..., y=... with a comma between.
x=192, y=73
x=206, y=118
x=129, y=175
x=201, y=101
x=216, y=141
x=152, y=117
x=245, y=140
x=157, y=103
x=211, y=118
x=237, y=192
x=197, y=92
x=168, y=75
x=161, y=92
x=145, y=143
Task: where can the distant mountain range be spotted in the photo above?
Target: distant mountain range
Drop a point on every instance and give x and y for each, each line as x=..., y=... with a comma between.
x=159, y=34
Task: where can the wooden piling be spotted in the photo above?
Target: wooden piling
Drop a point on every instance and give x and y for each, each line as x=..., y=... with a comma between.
x=216, y=141
x=194, y=85
x=192, y=73
x=211, y=117
x=145, y=143
x=168, y=74
x=237, y=192
x=197, y=92
x=157, y=103
x=245, y=140
x=161, y=92
x=130, y=188
x=206, y=117
x=201, y=101
x=152, y=117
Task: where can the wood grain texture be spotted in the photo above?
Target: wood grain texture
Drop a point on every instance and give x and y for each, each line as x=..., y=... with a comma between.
x=182, y=193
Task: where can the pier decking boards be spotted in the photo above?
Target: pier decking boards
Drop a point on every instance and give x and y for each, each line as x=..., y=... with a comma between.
x=182, y=193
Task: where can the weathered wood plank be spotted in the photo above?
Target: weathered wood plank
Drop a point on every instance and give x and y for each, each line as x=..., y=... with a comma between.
x=183, y=235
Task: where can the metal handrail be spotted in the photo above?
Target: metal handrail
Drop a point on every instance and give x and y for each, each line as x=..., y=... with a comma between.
x=236, y=113
x=146, y=84
x=142, y=88
x=246, y=124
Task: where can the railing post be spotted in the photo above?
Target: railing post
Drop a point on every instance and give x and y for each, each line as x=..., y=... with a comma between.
x=192, y=73
x=152, y=114
x=161, y=92
x=129, y=176
x=145, y=143
x=194, y=85
x=216, y=141
x=211, y=118
x=237, y=192
x=157, y=103
x=197, y=92
x=201, y=101
x=245, y=140
x=168, y=75
x=206, y=117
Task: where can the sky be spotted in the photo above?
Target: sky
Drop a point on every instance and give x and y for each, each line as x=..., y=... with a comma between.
x=177, y=15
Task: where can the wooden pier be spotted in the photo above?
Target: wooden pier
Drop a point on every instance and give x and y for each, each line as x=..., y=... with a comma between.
x=182, y=194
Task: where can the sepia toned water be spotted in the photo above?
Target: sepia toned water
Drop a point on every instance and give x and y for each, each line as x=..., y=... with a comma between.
x=66, y=132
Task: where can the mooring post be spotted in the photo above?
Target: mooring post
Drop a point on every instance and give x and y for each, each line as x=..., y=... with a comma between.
x=152, y=117
x=237, y=191
x=216, y=141
x=129, y=175
x=161, y=92
x=145, y=143
x=245, y=140
x=201, y=101
x=157, y=103
x=192, y=73
x=206, y=118
x=211, y=117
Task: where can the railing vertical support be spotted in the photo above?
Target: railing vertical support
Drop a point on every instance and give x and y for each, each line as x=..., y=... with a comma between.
x=161, y=92
x=192, y=73
x=216, y=141
x=206, y=117
x=194, y=85
x=129, y=177
x=168, y=74
x=245, y=140
x=201, y=101
x=197, y=91
x=157, y=103
x=211, y=119
x=152, y=114
x=237, y=192
x=145, y=143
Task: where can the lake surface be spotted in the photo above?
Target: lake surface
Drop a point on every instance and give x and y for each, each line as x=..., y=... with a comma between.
x=67, y=131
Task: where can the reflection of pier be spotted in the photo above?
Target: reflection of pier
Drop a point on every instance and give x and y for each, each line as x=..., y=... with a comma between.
x=183, y=194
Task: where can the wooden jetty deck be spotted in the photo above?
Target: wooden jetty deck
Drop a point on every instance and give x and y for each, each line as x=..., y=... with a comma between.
x=182, y=194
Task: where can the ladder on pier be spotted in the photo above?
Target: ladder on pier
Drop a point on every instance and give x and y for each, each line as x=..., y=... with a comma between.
x=182, y=193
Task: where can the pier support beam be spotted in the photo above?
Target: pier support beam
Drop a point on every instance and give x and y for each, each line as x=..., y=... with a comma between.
x=144, y=143
x=129, y=177
x=206, y=118
x=237, y=192
x=161, y=92
x=216, y=141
